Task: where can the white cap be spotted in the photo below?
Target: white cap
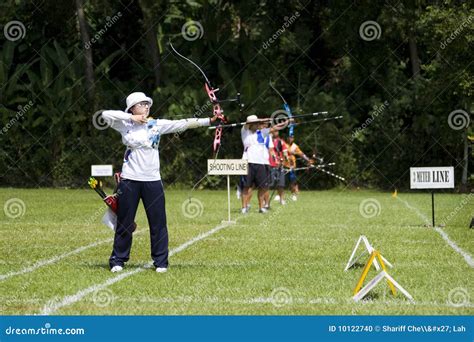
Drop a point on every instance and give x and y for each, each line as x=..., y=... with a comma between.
x=135, y=98
x=252, y=119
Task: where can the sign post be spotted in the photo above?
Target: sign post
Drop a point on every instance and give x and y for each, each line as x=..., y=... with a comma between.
x=227, y=167
x=441, y=177
x=432, y=208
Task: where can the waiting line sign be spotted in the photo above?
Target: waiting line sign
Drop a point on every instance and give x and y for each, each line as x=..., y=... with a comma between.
x=441, y=177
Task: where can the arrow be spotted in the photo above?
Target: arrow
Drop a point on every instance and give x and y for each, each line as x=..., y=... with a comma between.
x=281, y=120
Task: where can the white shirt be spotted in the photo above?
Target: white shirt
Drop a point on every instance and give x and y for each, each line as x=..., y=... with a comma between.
x=142, y=159
x=257, y=152
x=268, y=145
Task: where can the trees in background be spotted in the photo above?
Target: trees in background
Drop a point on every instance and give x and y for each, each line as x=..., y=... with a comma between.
x=401, y=73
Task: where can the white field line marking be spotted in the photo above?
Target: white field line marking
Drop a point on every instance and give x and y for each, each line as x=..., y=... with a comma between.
x=459, y=250
x=53, y=306
x=416, y=210
x=293, y=302
x=187, y=300
x=469, y=259
x=52, y=260
x=56, y=258
x=259, y=300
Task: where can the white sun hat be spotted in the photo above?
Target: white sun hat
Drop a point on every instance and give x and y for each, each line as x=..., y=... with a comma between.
x=135, y=98
x=252, y=119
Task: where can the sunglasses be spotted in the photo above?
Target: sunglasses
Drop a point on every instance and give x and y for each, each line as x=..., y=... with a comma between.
x=143, y=104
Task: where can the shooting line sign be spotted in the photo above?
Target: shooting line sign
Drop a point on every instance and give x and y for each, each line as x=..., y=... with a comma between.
x=227, y=167
x=432, y=177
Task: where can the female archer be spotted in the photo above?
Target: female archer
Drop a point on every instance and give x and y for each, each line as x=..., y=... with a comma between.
x=141, y=177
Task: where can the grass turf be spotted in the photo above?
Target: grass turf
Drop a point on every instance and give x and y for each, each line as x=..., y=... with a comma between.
x=289, y=261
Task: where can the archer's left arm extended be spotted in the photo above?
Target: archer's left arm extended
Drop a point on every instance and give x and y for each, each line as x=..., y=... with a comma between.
x=301, y=154
x=174, y=126
x=282, y=125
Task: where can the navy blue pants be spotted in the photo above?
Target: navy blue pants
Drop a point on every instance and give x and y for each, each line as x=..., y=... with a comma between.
x=129, y=194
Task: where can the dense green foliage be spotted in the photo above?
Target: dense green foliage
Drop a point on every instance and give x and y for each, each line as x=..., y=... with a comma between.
x=402, y=85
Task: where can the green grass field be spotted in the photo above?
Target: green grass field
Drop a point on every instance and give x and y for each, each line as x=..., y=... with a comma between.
x=289, y=261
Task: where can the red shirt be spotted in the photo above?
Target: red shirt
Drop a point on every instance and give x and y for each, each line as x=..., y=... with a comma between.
x=280, y=149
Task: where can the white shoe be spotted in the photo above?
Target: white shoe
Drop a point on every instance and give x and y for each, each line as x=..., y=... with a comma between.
x=116, y=269
x=294, y=198
x=263, y=211
x=161, y=269
x=244, y=210
x=277, y=198
x=282, y=202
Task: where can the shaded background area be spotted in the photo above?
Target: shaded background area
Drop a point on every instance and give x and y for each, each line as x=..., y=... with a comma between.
x=400, y=72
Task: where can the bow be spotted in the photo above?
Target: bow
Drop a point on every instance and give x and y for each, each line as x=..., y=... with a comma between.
x=286, y=107
x=216, y=108
x=291, y=133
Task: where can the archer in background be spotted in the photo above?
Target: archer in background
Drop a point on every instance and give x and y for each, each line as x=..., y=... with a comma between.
x=277, y=159
x=253, y=135
x=294, y=151
x=258, y=146
x=140, y=178
x=243, y=179
x=269, y=151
